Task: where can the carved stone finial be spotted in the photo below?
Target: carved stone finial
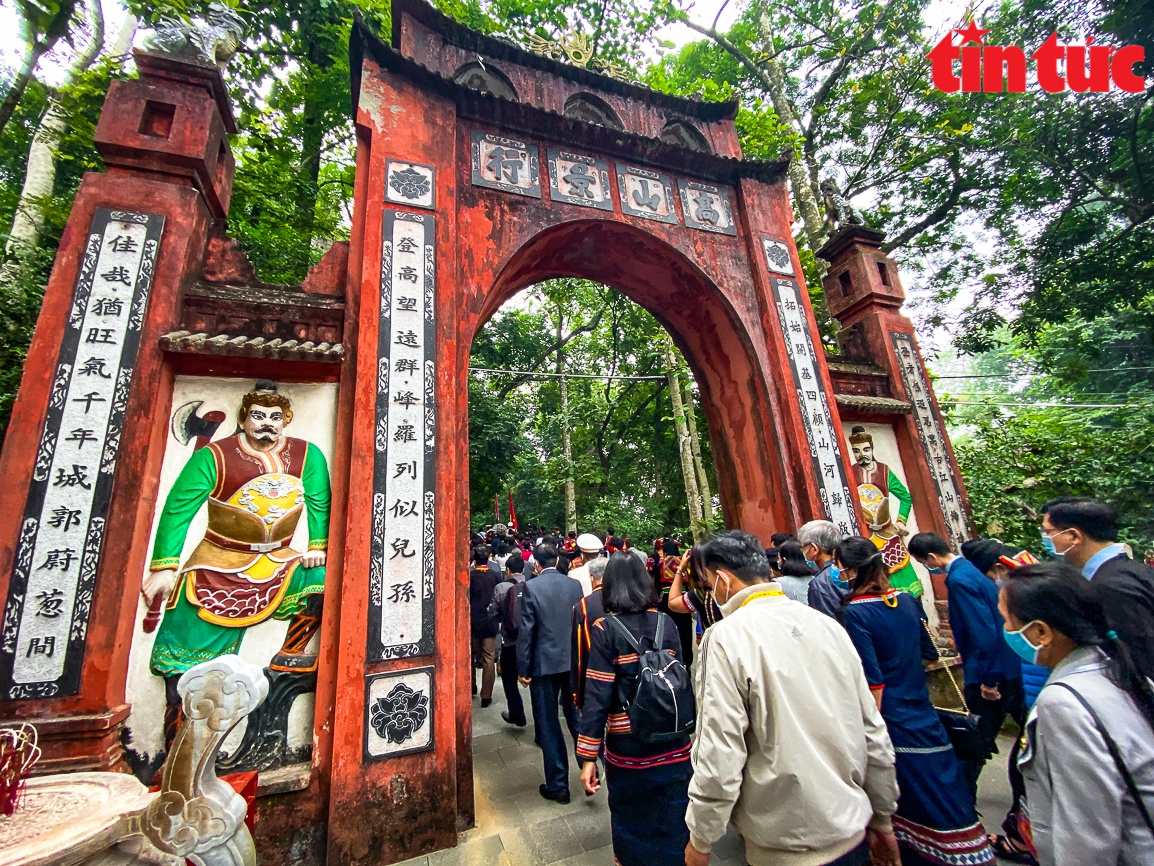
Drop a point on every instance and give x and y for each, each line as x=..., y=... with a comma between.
x=574, y=48
x=196, y=814
x=838, y=209
x=212, y=40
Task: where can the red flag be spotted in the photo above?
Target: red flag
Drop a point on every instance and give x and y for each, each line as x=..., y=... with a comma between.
x=512, y=513
x=497, y=507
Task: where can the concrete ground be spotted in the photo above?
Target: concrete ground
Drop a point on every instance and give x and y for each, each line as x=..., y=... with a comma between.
x=517, y=827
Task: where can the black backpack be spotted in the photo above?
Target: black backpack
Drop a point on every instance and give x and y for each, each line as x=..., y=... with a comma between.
x=663, y=707
x=511, y=610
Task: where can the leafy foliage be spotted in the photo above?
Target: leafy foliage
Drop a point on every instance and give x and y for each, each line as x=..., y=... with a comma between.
x=625, y=456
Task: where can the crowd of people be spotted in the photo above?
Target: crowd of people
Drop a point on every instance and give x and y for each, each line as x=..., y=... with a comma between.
x=809, y=725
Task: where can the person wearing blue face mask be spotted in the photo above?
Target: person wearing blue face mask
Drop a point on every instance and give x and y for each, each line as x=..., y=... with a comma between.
x=819, y=539
x=1084, y=532
x=993, y=673
x=1089, y=760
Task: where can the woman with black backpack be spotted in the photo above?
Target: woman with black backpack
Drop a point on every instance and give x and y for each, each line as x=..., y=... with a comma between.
x=639, y=706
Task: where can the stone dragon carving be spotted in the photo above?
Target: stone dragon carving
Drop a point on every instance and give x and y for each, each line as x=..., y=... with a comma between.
x=213, y=40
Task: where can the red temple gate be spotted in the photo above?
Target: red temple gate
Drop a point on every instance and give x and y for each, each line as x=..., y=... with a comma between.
x=482, y=169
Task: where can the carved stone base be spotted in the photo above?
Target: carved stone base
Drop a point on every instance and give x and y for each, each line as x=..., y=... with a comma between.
x=265, y=742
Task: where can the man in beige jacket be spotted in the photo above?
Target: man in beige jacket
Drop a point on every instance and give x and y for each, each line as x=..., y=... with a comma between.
x=790, y=744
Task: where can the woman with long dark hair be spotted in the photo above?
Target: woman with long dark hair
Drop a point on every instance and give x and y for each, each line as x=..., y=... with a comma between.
x=936, y=821
x=648, y=782
x=795, y=573
x=1089, y=759
x=689, y=593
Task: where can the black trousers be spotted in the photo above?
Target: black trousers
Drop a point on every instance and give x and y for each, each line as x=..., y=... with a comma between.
x=546, y=691
x=991, y=716
x=509, y=683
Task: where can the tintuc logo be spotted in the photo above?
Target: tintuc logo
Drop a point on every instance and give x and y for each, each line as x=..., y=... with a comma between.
x=992, y=68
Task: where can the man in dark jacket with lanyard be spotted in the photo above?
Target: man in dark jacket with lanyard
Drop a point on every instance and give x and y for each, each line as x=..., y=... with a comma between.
x=1084, y=532
x=993, y=671
x=544, y=639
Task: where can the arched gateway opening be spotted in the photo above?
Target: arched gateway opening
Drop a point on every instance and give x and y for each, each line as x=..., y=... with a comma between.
x=703, y=324
x=472, y=183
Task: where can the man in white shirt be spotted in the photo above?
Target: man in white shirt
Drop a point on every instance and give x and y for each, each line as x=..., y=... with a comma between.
x=790, y=744
x=590, y=547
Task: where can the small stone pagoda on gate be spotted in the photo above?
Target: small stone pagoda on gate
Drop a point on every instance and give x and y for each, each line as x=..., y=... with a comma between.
x=325, y=425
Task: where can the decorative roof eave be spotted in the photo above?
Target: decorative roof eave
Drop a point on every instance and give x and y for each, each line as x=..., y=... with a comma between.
x=187, y=343
x=461, y=36
x=532, y=120
x=880, y=405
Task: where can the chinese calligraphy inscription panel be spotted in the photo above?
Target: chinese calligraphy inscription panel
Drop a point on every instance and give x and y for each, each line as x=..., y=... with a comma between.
x=813, y=403
x=579, y=180
x=706, y=207
x=398, y=713
x=646, y=194
x=931, y=434
x=401, y=611
x=49, y=598
x=505, y=164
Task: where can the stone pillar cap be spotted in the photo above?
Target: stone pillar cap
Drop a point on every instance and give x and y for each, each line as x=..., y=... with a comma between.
x=848, y=235
x=188, y=71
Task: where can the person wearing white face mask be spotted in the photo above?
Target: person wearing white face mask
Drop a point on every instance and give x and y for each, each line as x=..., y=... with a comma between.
x=1089, y=760
x=800, y=795
x=1084, y=532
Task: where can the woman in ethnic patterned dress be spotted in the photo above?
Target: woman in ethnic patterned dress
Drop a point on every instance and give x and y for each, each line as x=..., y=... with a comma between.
x=648, y=782
x=936, y=821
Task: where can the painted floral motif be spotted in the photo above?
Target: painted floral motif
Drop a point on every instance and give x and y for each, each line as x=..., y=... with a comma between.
x=410, y=183
x=399, y=715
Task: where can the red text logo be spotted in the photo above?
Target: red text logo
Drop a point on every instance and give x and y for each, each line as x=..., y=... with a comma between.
x=994, y=68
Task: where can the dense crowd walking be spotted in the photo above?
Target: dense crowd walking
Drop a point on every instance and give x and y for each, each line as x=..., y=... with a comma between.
x=784, y=690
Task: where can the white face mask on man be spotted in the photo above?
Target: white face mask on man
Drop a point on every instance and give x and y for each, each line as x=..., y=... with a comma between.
x=716, y=580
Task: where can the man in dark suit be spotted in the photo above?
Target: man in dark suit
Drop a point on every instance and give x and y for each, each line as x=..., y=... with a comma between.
x=1084, y=532
x=543, y=662
x=993, y=672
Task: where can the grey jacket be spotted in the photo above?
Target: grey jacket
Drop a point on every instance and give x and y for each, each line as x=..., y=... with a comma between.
x=1079, y=808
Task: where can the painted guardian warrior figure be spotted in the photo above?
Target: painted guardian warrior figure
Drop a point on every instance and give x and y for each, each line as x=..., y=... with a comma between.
x=875, y=482
x=243, y=571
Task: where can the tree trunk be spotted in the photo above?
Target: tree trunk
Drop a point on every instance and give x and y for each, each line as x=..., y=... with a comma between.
x=40, y=169
x=566, y=441
x=699, y=465
x=692, y=496
x=308, y=179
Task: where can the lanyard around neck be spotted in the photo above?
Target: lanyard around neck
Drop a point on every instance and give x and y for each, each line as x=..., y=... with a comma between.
x=765, y=593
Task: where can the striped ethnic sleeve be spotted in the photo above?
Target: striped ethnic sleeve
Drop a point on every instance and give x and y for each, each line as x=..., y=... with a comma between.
x=600, y=676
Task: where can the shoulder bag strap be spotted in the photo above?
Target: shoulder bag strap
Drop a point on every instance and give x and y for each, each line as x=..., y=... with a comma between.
x=947, y=668
x=660, y=630
x=1112, y=746
x=626, y=632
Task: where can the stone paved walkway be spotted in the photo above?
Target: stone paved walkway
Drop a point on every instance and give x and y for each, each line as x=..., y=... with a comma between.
x=517, y=827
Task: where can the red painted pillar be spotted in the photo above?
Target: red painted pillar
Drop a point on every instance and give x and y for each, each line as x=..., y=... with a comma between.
x=82, y=455
x=804, y=410
x=865, y=296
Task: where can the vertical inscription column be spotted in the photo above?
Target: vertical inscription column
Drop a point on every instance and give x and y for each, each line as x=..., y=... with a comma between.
x=401, y=585
x=813, y=403
x=46, y=617
x=933, y=436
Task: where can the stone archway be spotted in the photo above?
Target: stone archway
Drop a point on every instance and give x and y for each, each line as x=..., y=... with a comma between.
x=704, y=324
